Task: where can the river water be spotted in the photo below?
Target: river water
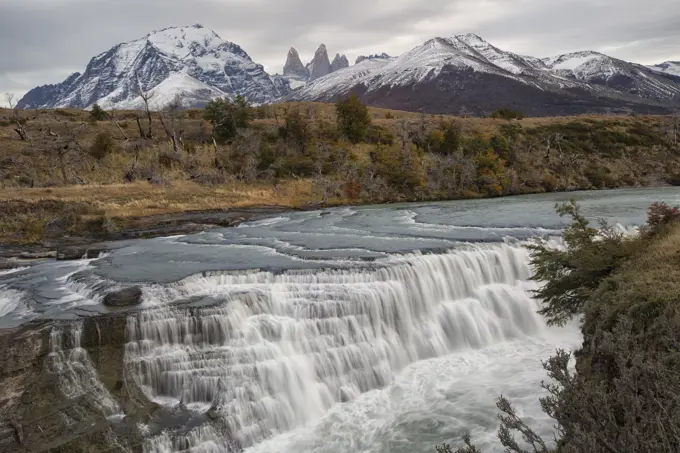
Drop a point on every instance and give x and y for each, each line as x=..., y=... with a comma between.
x=363, y=329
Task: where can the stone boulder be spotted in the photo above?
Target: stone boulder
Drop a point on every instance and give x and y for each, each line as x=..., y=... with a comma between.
x=128, y=297
x=78, y=253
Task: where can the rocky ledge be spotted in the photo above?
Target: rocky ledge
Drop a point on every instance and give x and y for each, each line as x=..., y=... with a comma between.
x=77, y=247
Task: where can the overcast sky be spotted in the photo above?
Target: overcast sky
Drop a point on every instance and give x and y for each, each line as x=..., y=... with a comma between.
x=43, y=41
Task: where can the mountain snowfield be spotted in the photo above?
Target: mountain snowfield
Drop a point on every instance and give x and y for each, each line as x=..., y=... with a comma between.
x=465, y=58
x=192, y=62
x=441, y=75
x=669, y=67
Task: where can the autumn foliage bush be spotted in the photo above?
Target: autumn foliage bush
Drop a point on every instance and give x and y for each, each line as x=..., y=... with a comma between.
x=660, y=214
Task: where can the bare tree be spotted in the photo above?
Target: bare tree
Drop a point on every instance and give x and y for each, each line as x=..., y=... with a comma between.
x=146, y=97
x=19, y=129
x=172, y=113
x=114, y=120
x=64, y=144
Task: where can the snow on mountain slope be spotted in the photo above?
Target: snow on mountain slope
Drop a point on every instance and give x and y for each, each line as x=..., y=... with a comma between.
x=341, y=81
x=177, y=86
x=423, y=63
x=466, y=59
x=670, y=67
x=599, y=69
x=193, y=62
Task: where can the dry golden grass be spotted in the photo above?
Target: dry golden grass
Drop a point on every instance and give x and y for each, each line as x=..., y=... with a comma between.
x=143, y=199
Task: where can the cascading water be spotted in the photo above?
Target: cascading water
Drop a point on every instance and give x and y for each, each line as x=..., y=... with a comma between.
x=75, y=374
x=276, y=352
x=353, y=342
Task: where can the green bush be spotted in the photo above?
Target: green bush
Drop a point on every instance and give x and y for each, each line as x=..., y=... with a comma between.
x=97, y=113
x=571, y=276
x=601, y=179
x=295, y=129
x=507, y=114
x=379, y=135
x=228, y=117
x=353, y=118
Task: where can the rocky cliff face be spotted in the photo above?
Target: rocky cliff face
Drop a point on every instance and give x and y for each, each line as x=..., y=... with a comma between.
x=320, y=65
x=64, y=388
x=294, y=66
x=339, y=62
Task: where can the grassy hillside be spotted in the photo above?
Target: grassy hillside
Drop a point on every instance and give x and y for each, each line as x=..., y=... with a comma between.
x=103, y=172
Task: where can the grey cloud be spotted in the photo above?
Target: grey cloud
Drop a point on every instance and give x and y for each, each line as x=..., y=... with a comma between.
x=43, y=40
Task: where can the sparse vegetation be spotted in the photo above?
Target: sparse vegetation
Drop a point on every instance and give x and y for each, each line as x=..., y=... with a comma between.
x=507, y=114
x=337, y=153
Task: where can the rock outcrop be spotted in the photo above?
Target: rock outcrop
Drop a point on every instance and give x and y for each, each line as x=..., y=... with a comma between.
x=361, y=58
x=320, y=65
x=127, y=297
x=339, y=62
x=77, y=253
x=294, y=67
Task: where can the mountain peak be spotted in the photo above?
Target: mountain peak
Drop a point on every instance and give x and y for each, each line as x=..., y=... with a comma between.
x=339, y=62
x=320, y=65
x=192, y=61
x=470, y=37
x=294, y=67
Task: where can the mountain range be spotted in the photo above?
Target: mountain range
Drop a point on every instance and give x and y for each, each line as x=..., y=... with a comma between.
x=442, y=75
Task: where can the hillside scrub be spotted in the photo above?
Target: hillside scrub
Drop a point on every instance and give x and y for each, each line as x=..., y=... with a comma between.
x=339, y=153
x=624, y=396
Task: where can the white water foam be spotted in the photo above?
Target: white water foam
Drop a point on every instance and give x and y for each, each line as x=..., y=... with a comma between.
x=75, y=373
x=10, y=300
x=282, y=353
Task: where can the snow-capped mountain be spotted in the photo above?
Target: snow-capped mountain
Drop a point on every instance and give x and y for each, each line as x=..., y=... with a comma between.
x=599, y=69
x=670, y=68
x=192, y=62
x=443, y=75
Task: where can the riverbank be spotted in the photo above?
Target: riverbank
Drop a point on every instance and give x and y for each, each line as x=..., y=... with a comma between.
x=71, y=179
x=76, y=221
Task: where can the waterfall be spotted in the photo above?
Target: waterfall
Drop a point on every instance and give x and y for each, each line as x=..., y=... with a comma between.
x=75, y=374
x=277, y=351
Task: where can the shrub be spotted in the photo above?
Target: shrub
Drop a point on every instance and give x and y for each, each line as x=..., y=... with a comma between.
x=549, y=182
x=446, y=140
x=510, y=130
x=102, y=146
x=353, y=118
x=660, y=214
x=389, y=116
x=379, y=135
x=97, y=113
x=295, y=129
x=228, y=117
x=507, y=114
x=572, y=275
x=501, y=146
x=601, y=179
x=491, y=179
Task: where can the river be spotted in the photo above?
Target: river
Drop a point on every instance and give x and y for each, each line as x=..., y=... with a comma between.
x=357, y=329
